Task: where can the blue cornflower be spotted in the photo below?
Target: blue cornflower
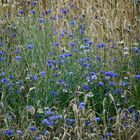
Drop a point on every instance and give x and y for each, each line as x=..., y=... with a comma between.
x=18, y=51
x=64, y=31
x=86, y=47
x=2, y=58
x=56, y=74
x=11, y=77
x=4, y=80
x=87, y=59
x=112, y=83
x=109, y=73
x=60, y=16
x=136, y=50
x=54, y=93
x=135, y=116
x=52, y=18
x=46, y=132
x=14, y=34
x=30, y=46
x=70, y=120
x=110, y=118
x=124, y=84
x=92, y=73
x=50, y=65
x=86, y=87
x=62, y=82
x=8, y=132
x=72, y=23
x=82, y=27
x=98, y=57
x=33, y=128
x=1, y=52
x=51, y=61
x=50, y=123
x=86, y=39
x=109, y=134
x=97, y=119
x=21, y=12
x=72, y=44
x=118, y=91
x=55, y=31
x=103, y=138
x=115, y=75
x=33, y=12
x=61, y=35
x=66, y=55
x=34, y=77
x=42, y=20
x=43, y=73
x=102, y=71
x=81, y=60
x=34, y=3
x=72, y=5
x=37, y=138
x=57, y=44
x=44, y=122
x=48, y=112
x=51, y=53
x=1, y=44
x=55, y=68
x=18, y=57
x=87, y=122
x=59, y=116
x=64, y=11
x=89, y=42
x=2, y=73
x=100, y=84
x=131, y=109
x=48, y=10
x=127, y=125
x=137, y=76
x=93, y=76
x=72, y=35
x=20, y=82
x=81, y=31
x=19, y=132
x=102, y=45
x=82, y=105
x=52, y=118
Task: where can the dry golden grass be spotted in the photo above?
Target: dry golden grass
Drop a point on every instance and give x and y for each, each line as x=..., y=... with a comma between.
x=112, y=19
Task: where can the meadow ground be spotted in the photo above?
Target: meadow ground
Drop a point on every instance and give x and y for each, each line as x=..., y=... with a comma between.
x=70, y=70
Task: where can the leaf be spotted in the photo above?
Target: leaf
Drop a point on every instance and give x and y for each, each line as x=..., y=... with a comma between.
x=2, y=116
x=111, y=97
x=40, y=110
x=32, y=88
x=30, y=109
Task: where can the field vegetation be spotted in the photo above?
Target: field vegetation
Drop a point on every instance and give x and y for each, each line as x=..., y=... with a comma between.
x=70, y=70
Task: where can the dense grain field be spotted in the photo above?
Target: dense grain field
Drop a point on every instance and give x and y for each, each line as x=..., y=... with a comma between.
x=70, y=70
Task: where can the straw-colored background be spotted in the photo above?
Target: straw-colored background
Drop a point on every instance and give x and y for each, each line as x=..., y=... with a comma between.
x=107, y=19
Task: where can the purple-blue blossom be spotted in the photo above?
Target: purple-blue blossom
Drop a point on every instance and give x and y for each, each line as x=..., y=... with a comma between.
x=33, y=128
x=82, y=105
x=8, y=132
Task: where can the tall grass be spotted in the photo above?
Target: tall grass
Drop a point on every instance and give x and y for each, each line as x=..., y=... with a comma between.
x=69, y=70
